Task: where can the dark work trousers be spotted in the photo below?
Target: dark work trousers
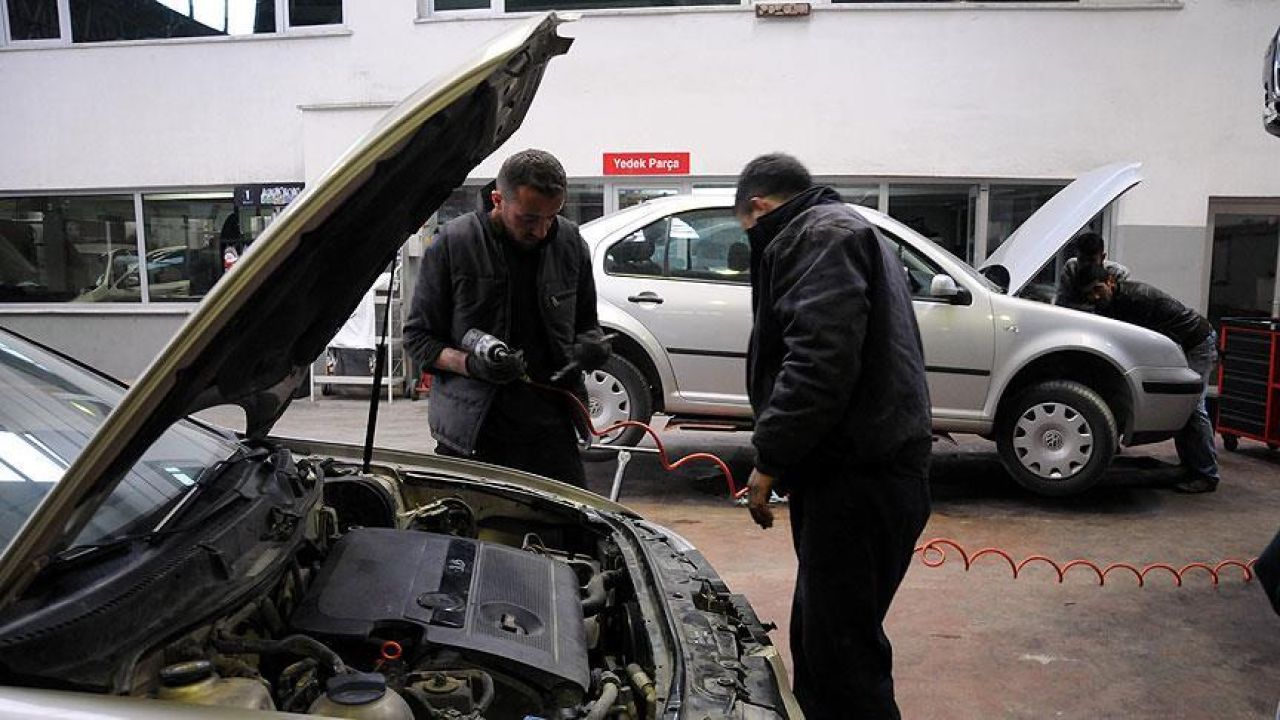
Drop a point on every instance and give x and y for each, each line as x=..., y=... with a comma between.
x=854, y=529
x=551, y=452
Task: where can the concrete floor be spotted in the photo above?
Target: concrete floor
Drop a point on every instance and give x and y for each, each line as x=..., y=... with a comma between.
x=981, y=644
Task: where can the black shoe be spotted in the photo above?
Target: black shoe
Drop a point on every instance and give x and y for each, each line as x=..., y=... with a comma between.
x=1196, y=484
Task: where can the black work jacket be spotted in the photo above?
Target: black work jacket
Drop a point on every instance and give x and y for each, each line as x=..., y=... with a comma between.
x=463, y=284
x=835, y=369
x=1141, y=304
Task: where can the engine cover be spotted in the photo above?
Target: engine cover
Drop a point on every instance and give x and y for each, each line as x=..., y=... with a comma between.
x=498, y=606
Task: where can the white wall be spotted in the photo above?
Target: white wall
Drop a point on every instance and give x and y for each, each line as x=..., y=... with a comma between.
x=945, y=91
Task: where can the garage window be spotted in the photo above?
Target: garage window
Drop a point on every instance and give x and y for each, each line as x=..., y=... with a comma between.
x=33, y=19
x=64, y=248
x=95, y=21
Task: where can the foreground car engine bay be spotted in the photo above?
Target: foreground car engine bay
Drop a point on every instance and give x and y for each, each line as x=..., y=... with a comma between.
x=395, y=595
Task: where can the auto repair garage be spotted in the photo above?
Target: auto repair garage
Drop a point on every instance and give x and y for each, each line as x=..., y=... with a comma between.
x=186, y=132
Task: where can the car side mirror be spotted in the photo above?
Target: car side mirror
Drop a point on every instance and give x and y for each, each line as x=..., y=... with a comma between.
x=944, y=287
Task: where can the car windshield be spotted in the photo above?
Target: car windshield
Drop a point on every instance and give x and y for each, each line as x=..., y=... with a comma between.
x=49, y=408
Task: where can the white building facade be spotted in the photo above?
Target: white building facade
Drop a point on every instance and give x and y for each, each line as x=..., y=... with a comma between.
x=174, y=130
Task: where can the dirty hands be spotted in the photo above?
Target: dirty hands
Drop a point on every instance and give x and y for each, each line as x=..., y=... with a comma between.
x=759, y=490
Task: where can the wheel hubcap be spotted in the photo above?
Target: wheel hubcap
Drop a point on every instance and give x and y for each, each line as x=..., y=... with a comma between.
x=1053, y=441
x=608, y=402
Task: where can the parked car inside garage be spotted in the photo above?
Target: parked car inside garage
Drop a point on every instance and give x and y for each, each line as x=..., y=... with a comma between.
x=1057, y=389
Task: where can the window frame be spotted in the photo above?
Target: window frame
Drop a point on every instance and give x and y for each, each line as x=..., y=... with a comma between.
x=64, y=29
x=665, y=273
x=426, y=12
x=145, y=303
x=284, y=29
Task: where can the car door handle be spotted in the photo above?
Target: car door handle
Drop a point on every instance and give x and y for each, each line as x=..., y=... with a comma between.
x=646, y=297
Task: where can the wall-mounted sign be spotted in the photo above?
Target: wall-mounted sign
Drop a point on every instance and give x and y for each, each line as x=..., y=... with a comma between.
x=275, y=194
x=642, y=163
x=782, y=9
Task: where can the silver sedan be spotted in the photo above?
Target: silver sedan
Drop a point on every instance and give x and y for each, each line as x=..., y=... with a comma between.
x=1057, y=389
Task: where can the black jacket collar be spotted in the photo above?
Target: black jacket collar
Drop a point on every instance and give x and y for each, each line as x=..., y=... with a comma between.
x=772, y=223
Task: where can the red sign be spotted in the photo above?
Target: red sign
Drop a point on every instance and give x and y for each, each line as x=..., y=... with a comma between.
x=646, y=163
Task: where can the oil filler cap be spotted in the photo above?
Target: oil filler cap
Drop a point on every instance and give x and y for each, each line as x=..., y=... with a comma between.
x=356, y=688
x=186, y=673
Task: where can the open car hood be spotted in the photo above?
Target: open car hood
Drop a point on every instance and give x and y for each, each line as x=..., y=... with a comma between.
x=252, y=339
x=1048, y=230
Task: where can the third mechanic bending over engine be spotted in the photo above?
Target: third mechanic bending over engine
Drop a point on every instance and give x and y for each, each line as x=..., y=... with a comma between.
x=521, y=274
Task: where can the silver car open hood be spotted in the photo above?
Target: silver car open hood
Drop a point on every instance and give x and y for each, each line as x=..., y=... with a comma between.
x=251, y=340
x=1050, y=228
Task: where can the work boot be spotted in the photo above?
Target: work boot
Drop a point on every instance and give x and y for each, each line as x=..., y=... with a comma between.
x=1194, y=484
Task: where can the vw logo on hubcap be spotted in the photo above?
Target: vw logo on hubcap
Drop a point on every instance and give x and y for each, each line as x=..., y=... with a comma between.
x=1053, y=440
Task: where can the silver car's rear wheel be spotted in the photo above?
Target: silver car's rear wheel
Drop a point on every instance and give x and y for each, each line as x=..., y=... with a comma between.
x=617, y=392
x=1057, y=437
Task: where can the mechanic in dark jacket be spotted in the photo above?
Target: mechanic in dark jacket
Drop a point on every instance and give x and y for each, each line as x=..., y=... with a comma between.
x=1143, y=305
x=522, y=274
x=836, y=377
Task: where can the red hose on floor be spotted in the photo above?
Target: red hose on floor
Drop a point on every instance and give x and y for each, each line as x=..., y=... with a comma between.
x=933, y=553
x=734, y=490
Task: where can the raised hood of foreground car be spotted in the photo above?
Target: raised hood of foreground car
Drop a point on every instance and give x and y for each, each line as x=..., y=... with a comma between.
x=252, y=339
x=1050, y=228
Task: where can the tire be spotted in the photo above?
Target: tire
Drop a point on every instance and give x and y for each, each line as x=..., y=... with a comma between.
x=1230, y=442
x=617, y=391
x=1057, y=438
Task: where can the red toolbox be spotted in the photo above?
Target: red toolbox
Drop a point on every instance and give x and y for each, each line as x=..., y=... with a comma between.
x=1249, y=381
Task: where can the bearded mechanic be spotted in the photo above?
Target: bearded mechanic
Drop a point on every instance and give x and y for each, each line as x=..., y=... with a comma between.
x=520, y=274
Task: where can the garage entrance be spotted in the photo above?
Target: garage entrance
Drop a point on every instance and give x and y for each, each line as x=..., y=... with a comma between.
x=1246, y=257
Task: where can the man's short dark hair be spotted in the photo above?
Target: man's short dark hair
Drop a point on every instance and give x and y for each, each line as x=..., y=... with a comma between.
x=1090, y=276
x=1088, y=244
x=535, y=169
x=773, y=174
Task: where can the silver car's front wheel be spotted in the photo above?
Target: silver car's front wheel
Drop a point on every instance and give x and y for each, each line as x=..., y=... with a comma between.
x=1053, y=440
x=1057, y=437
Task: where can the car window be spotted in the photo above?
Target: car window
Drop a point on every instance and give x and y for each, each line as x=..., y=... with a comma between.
x=696, y=245
x=49, y=408
x=920, y=269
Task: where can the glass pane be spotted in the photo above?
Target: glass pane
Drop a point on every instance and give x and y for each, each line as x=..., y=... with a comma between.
x=315, y=12
x=584, y=203
x=628, y=197
x=708, y=245
x=1044, y=286
x=191, y=242
x=462, y=200
x=447, y=5
x=1243, y=274
x=33, y=19
x=942, y=213
x=699, y=245
x=55, y=249
x=920, y=269
x=864, y=195
x=48, y=411
x=1010, y=206
x=643, y=252
x=107, y=20
x=541, y=5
